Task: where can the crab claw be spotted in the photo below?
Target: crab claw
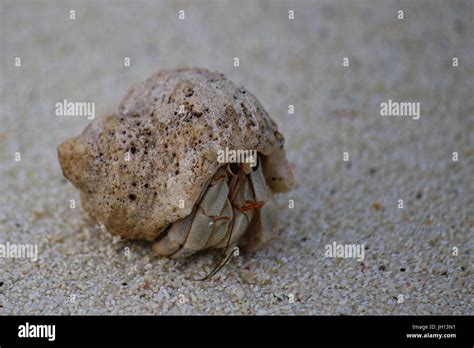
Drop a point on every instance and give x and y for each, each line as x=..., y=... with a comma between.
x=261, y=229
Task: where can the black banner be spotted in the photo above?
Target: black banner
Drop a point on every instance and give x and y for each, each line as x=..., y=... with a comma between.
x=162, y=330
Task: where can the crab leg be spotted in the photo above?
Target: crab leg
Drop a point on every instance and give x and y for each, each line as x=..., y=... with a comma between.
x=190, y=234
x=174, y=237
x=241, y=218
x=261, y=228
x=221, y=225
x=263, y=224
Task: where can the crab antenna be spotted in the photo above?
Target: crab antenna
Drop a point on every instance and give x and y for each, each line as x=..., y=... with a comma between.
x=218, y=268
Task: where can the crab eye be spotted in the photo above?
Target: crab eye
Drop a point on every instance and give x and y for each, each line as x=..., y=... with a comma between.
x=234, y=168
x=255, y=168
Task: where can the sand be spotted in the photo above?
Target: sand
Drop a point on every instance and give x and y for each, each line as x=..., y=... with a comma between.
x=422, y=251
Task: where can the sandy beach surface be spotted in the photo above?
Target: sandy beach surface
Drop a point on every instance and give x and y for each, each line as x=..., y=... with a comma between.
x=417, y=258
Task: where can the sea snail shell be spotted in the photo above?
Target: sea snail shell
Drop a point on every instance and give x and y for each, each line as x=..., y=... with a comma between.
x=151, y=170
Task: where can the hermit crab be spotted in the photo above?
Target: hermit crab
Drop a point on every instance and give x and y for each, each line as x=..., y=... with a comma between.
x=151, y=170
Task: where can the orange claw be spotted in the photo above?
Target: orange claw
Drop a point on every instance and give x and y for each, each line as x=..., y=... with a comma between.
x=252, y=205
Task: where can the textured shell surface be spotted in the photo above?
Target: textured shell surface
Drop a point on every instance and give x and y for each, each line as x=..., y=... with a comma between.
x=144, y=167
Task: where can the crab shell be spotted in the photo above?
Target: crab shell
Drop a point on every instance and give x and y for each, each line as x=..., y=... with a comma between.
x=146, y=166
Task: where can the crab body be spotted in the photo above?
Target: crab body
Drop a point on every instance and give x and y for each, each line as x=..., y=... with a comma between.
x=232, y=204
